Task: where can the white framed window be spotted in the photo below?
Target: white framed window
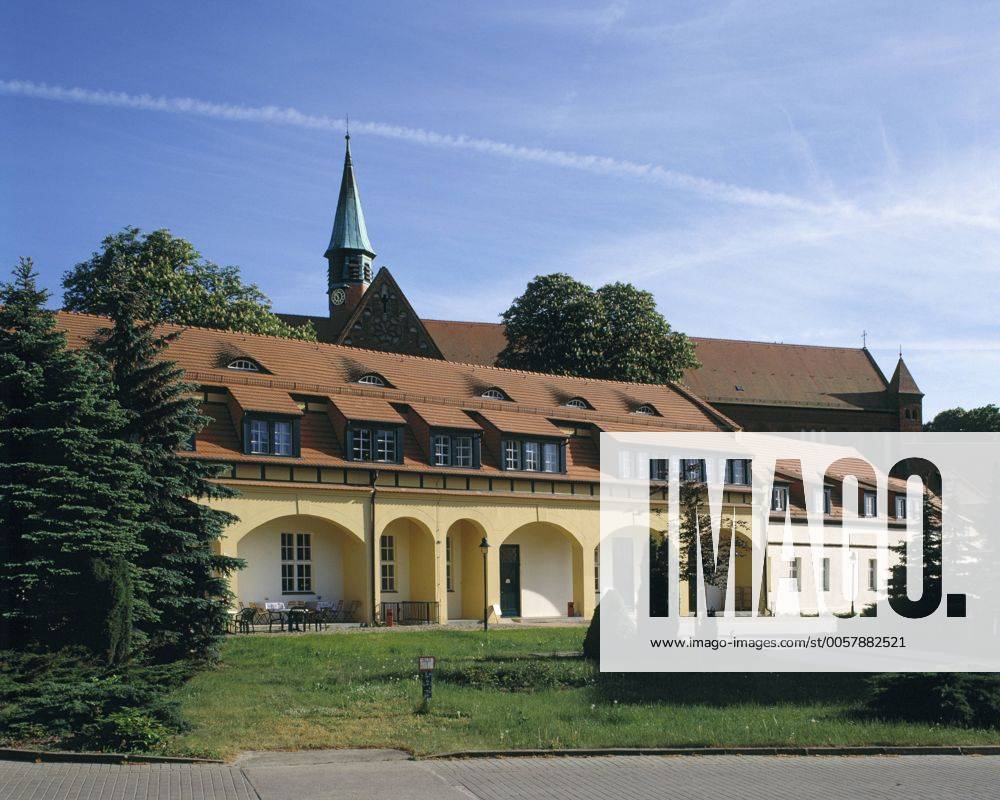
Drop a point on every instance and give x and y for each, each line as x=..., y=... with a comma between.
x=577, y=402
x=361, y=449
x=868, y=504
x=441, y=448
x=463, y=451
x=448, y=576
x=692, y=469
x=282, y=438
x=826, y=574
x=512, y=454
x=372, y=379
x=495, y=394
x=900, y=506
x=243, y=365
x=259, y=437
x=385, y=446
x=532, y=460
x=739, y=472
x=296, y=563
x=645, y=410
x=827, y=500
x=872, y=574
x=795, y=572
x=779, y=498
x=387, y=553
x=550, y=457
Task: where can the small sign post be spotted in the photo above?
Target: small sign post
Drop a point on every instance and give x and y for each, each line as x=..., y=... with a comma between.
x=426, y=666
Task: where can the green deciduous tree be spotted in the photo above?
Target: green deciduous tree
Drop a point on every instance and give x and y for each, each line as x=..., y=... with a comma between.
x=69, y=488
x=983, y=419
x=564, y=327
x=184, y=587
x=178, y=285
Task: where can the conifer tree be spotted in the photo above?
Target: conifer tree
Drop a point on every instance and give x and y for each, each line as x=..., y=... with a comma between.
x=185, y=592
x=69, y=496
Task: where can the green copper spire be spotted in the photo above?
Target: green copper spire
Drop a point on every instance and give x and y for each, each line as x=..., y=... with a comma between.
x=349, y=232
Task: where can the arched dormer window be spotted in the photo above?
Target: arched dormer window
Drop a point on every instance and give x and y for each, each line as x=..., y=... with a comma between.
x=244, y=365
x=495, y=394
x=646, y=410
x=578, y=402
x=372, y=379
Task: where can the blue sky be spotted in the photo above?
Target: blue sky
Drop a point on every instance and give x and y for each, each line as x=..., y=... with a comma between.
x=792, y=172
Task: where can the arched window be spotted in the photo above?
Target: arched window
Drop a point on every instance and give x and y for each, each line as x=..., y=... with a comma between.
x=645, y=410
x=495, y=394
x=578, y=402
x=372, y=379
x=243, y=364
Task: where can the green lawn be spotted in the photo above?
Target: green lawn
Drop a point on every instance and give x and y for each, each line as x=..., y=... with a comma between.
x=360, y=690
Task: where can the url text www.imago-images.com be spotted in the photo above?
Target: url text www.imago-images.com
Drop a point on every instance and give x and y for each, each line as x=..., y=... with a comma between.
x=805, y=552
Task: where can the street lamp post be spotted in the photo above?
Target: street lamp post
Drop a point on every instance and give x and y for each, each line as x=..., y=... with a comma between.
x=484, y=546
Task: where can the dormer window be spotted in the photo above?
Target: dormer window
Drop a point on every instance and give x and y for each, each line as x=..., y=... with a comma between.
x=578, y=402
x=372, y=379
x=646, y=411
x=244, y=365
x=496, y=394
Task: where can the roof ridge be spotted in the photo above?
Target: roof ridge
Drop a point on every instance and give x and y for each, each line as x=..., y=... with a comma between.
x=777, y=344
x=318, y=344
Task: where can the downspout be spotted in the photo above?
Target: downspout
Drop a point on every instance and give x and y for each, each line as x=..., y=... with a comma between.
x=372, y=546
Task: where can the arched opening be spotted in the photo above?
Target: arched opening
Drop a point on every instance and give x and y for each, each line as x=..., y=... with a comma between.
x=302, y=558
x=407, y=572
x=541, y=572
x=464, y=570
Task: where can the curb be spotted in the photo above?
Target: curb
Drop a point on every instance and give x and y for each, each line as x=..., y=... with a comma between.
x=943, y=750
x=69, y=757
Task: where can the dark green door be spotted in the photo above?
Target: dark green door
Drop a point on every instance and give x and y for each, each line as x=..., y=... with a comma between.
x=510, y=580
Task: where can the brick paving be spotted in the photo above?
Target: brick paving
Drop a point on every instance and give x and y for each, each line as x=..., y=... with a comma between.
x=313, y=777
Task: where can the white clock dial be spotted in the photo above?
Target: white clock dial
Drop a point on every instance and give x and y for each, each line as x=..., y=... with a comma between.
x=337, y=297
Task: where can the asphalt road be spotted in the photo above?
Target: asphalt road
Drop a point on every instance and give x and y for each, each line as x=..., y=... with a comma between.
x=381, y=774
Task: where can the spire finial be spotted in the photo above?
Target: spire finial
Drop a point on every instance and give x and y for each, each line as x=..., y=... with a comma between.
x=864, y=339
x=901, y=351
x=347, y=127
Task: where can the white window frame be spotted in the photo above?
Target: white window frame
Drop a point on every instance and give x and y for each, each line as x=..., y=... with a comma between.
x=361, y=448
x=872, y=574
x=282, y=437
x=512, y=455
x=387, y=560
x=463, y=451
x=645, y=410
x=532, y=457
x=866, y=499
x=371, y=379
x=385, y=445
x=296, y=563
x=779, y=498
x=494, y=394
x=740, y=466
x=259, y=437
x=577, y=402
x=900, y=506
x=243, y=365
x=441, y=450
x=827, y=500
x=550, y=457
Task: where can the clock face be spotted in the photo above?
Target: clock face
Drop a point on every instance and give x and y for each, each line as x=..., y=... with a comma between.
x=337, y=297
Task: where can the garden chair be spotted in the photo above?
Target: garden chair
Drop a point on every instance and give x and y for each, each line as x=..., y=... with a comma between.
x=325, y=613
x=276, y=612
x=348, y=612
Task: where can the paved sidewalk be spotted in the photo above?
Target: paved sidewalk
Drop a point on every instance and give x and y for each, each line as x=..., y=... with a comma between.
x=347, y=775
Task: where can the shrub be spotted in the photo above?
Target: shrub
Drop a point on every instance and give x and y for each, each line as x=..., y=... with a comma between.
x=68, y=698
x=970, y=700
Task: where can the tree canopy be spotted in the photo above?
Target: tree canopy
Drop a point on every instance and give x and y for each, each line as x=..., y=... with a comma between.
x=177, y=284
x=985, y=419
x=564, y=327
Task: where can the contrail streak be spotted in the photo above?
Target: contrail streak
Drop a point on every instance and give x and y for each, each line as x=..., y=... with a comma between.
x=274, y=115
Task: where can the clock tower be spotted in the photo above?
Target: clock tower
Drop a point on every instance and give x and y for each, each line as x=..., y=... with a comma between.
x=350, y=253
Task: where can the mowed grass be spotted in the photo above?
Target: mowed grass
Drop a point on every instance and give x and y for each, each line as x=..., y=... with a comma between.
x=360, y=689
